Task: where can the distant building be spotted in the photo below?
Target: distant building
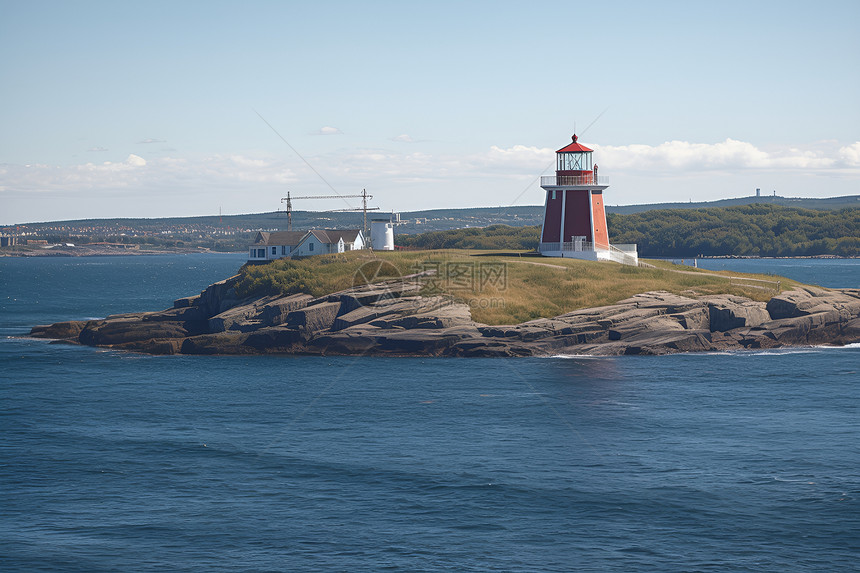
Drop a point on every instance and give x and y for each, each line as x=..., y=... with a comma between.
x=269, y=246
x=8, y=240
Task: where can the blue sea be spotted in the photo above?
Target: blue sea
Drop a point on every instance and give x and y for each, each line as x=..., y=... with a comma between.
x=113, y=461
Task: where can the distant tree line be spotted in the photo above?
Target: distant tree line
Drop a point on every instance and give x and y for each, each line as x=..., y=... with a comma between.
x=492, y=237
x=748, y=230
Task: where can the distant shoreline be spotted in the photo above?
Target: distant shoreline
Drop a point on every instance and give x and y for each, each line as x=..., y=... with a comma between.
x=101, y=251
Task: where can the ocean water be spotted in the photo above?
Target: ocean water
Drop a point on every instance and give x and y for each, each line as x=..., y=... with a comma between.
x=113, y=461
x=831, y=273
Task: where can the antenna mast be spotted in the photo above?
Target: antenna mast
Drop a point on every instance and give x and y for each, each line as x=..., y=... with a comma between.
x=289, y=211
x=364, y=210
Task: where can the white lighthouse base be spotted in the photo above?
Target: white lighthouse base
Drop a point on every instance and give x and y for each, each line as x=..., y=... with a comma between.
x=625, y=254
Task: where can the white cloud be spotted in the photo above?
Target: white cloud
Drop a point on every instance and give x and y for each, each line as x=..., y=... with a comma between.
x=152, y=140
x=225, y=170
x=729, y=155
x=516, y=157
x=166, y=174
x=850, y=154
x=132, y=162
x=97, y=149
x=522, y=162
x=253, y=183
x=247, y=161
x=135, y=160
x=328, y=130
x=403, y=138
x=517, y=162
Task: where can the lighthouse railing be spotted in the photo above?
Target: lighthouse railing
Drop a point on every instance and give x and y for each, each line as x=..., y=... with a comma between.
x=626, y=254
x=573, y=180
x=626, y=247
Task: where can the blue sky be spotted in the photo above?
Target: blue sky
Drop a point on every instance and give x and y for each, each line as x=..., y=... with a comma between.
x=121, y=109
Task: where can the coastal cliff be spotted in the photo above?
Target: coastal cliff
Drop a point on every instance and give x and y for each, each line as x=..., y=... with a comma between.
x=394, y=318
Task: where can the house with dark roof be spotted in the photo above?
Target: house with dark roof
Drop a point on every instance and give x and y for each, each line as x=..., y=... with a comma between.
x=274, y=245
x=269, y=246
x=325, y=241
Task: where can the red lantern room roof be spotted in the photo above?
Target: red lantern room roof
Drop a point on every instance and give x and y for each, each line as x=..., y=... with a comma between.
x=574, y=146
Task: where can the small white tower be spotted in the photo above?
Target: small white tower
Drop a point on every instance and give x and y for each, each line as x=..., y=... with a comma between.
x=382, y=234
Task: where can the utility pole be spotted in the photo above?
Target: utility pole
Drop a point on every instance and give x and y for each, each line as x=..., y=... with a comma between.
x=289, y=211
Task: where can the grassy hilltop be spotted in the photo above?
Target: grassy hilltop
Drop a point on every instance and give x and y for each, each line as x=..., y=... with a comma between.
x=501, y=288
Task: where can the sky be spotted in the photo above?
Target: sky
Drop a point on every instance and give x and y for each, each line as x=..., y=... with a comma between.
x=157, y=109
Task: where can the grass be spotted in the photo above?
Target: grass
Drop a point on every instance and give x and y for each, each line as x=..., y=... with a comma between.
x=500, y=289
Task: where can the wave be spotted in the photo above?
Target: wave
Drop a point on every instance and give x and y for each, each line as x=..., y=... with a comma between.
x=779, y=351
x=852, y=346
x=737, y=352
x=808, y=481
x=817, y=349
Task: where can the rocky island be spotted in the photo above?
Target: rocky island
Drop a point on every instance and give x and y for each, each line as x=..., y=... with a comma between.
x=399, y=317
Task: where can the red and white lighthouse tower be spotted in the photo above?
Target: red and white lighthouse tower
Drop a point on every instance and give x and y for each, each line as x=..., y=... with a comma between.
x=574, y=220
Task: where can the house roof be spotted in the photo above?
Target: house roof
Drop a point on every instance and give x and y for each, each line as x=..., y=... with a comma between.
x=574, y=146
x=291, y=238
x=332, y=236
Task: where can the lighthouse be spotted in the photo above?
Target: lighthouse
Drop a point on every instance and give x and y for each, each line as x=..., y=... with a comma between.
x=574, y=220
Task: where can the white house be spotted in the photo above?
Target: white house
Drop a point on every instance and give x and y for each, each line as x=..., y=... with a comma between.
x=274, y=245
x=269, y=246
x=321, y=242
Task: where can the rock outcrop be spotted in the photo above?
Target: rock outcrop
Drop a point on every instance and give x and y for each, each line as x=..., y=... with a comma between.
x=392, y=319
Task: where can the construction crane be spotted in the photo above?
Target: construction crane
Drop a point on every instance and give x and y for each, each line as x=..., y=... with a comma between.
x=363, y=196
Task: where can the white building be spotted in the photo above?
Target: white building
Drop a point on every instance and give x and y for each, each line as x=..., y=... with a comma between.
x=269, y=246
x=382, y=234
x=325, y=241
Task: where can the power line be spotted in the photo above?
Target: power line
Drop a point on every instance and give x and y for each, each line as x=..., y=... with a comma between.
x=300, y=157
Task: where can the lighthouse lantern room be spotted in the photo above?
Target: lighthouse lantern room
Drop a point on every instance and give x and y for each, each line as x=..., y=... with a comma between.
x=575, y=159
x=574, y=222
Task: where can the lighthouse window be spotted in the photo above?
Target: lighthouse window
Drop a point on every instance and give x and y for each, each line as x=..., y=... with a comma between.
x=574, y=162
